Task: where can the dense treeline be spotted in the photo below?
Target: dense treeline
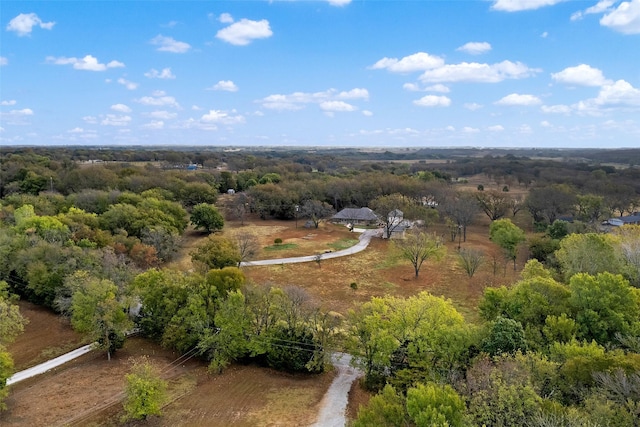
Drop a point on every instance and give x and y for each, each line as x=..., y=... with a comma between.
x=559, y=347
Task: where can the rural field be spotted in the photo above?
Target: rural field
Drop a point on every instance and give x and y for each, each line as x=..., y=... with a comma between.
x=89, y=390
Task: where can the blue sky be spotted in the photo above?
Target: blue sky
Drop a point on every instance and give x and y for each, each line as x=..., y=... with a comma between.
x=505, y=73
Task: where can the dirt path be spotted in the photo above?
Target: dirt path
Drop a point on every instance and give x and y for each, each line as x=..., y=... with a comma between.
x=333, y=407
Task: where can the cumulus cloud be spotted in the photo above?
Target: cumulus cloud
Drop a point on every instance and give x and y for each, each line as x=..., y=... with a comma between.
x=496, y=128
x=222, y=117
x=165, y=73
x=16, y=117
x=129, y=85
x=419, y=61
x=337, y=106
x=9, y=102
x=298, y=100
x=367, y=113
x=583, y=75
x=600, y=7
x=88, y=63
x=469, y=129
x=168, y=44
x=23, y=24
x=475, y=48
x=433, y=101
x=518, y=99
x=121, y=108
x=158, y=98
x=618, y=93
x=245, y=31
x=225, y=85
x=518, y=5
x=477, y=72
x=115, y=120
x=625, y=18
x=3, y=61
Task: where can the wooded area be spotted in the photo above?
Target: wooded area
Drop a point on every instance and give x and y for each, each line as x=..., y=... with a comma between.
x=89, y=233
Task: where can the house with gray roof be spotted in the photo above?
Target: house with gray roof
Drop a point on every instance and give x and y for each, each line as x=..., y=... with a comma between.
x=356, y=216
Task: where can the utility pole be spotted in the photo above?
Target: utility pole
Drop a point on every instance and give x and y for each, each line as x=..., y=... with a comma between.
x=297, y=209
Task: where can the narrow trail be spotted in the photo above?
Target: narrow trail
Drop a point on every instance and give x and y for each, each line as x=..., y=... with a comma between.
x=333, y=408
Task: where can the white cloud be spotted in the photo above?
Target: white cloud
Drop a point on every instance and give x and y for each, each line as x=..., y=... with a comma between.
x=618, y=93
x=556, y=109
x=475, y=48
x=367, y=113
x=518, y=99
x=525, y=129
x=518, y=5
x=472, y=106
x=129, y=85
x=9, y=102
x=476, y=72
x=357, y=93
x=115, y=120
x=164, y=74
x=90, y=119
x=625, y=18
x=158, y=98
x=411, y=87
x=297, y=100
x=225, y=85
x=155, y=125
x=433, y=101
x=337, y=106
x=161, y=115
x=168, y=44
x=545, y=124
x=496, y=128
x=544, y=35
x=226, y=18
x=469, y=129
x=420, y=61
x=339, y=3
x=243, y=32
x=16, y=117
x=218, y=116
x=121, y=108
x=23, y=24
x=583, y=75
x=88, y=63
x=3, y=61
x=600, y=7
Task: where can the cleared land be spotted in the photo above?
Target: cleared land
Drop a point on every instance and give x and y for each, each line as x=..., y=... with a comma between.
x=88, y=391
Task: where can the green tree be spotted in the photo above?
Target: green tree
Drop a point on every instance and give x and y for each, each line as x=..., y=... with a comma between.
x=216, y=252
x=418, y=246
x=603, y=306
x=590, y=253
x=145, y=390
x=432, y=405
x=6, y=370
x=508, y=236
x=505, y=336
x=385, y=409
x=207, y=217
x=97, y=312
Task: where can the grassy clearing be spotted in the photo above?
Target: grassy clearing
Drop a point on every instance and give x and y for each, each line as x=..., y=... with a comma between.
x=280, y=247
x=343, y=244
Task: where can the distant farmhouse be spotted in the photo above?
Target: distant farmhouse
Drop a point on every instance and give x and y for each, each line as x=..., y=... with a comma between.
x=356, y=216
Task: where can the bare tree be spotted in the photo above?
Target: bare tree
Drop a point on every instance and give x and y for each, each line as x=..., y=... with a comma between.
x=316, y=211
x=494, y=204
x=248, y=245
x=418, y=246
x=463, y=210
x=470, y=260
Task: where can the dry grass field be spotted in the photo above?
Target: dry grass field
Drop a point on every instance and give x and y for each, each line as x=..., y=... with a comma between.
x=88, y=391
